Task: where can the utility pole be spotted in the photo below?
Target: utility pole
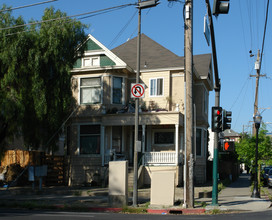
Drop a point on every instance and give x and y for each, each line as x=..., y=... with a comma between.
x=188, y=52
x=257, y=68
x=135, y=159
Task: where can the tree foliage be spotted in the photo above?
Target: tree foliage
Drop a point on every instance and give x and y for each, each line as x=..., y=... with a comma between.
x=35, y=79
x=246, y=148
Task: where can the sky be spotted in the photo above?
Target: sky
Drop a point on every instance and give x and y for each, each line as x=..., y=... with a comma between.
x=236, y=33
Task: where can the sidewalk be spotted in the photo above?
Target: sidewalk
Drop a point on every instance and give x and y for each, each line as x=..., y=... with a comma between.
x=235, y=197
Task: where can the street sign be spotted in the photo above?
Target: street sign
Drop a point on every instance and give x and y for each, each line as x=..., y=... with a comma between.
x=137, y=90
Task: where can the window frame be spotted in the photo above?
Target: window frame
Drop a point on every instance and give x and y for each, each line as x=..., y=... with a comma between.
x=100, y=87
x=203, y=142
x=121, y=89
x=91, y=60
x=206, y=101
x=98, y=135
x=163, y=131
x=156, y=87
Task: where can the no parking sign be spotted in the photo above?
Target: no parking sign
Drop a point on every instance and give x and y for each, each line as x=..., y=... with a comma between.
x=137, y=90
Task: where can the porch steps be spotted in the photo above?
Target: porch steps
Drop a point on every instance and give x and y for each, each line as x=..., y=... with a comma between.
x=130, y=178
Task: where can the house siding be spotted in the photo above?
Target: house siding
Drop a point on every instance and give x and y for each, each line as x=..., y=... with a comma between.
x=105, y=61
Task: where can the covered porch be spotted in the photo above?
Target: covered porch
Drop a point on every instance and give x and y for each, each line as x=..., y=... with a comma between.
x=161, y=138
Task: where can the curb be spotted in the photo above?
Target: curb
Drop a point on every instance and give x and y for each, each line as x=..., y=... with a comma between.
x=153, y=211
x=176, y=211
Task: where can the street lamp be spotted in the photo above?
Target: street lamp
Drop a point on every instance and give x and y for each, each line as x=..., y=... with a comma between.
x=257, y=121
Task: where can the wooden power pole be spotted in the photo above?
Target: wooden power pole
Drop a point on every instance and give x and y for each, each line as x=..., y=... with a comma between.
x=258, y=75
x=188, y=50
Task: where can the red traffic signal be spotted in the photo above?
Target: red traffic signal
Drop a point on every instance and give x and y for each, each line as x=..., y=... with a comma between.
x=216, y=119
x=228, y=146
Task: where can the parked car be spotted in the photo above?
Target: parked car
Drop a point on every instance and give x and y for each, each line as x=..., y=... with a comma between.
x=269, y=180
x=265, y=174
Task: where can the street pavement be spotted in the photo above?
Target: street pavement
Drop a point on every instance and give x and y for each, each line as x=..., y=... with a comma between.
x=236, y=197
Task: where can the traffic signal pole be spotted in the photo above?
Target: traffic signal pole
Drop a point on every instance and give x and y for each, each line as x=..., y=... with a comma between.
x=217, y=104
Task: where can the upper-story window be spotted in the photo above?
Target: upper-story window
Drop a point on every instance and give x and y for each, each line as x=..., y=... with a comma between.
x=206, y=101
x=117, y=90
x=156, y=87
x=90, y=61
x=90, y=90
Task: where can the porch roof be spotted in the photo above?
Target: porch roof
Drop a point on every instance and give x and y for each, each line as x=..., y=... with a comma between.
x=145, y=118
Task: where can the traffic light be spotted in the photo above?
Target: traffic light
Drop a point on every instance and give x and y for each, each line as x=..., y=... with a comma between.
x=228, y=146
x=226, y=119
x=220, y=7
x=216, y=119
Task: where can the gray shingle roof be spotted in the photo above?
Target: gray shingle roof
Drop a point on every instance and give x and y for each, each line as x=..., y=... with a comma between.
x=155, y=56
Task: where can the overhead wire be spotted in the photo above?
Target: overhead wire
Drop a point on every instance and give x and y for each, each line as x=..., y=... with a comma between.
x=26, y=6
x=264, y=34
x=244, y=41
x=66, y=17
x=122, y=30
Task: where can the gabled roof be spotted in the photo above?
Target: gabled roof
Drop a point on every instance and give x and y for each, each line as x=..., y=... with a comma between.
x=231, y=133
x=153, y=55
x=107, y=58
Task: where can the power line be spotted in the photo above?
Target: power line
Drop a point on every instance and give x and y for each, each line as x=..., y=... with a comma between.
x=122, y=30
x=66, y=17
x=266, y=17
x=25, y=6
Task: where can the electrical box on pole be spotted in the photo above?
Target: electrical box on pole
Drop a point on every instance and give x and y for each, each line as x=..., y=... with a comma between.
x=220, y=7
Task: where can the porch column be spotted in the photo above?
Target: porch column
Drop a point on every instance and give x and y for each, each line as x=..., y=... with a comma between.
x=102, y=144
x=176, y=142
x=143, y=143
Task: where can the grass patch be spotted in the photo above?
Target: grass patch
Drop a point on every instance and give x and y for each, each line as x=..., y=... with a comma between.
x=201, y=204
x=133, y=210
x=223, y=184
x=77, y=193
x=214, y=212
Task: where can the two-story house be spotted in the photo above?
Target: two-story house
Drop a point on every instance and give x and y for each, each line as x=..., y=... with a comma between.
x=102, y=128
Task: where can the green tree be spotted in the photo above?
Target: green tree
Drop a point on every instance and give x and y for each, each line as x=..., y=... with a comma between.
x=246, y=148
x=35, y=64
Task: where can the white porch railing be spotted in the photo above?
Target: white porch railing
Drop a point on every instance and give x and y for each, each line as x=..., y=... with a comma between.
x=161, y=158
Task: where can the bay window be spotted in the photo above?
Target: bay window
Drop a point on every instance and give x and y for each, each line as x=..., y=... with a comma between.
x=90, y=90
x=117, y=88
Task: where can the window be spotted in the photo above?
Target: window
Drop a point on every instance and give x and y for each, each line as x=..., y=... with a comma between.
x=90, y=139
x=90, y=90
x=164, y=138
x=201, y=141
x=206, y=101
x=91, y=61
x=156, y=87
x=117, y=87
x=117, y=139
x=198, y=141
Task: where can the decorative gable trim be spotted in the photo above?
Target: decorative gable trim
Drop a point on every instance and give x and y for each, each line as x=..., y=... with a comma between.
x=106, y=57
